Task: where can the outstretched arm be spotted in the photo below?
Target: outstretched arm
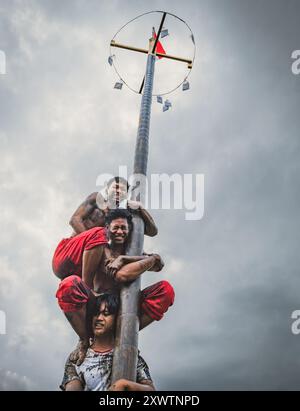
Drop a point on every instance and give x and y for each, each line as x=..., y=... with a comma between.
x=150, y=226
x=115, y=266
x=132, y=271
x=77, y=220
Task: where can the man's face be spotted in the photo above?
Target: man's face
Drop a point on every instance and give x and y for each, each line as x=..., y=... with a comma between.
x=117, y=192
x=104, y=322
x=118, y=231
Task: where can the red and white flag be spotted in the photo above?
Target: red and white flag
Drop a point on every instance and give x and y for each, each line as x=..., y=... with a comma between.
x=159, y=47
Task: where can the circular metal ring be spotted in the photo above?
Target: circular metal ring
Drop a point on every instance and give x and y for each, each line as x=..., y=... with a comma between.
x=137, y=17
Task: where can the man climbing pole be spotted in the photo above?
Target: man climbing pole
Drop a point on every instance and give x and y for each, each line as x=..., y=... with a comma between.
x=104, y=267
x=81, y=254
x=89, y=215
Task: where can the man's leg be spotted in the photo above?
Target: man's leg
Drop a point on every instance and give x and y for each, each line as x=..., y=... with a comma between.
x=90, y=263
x=77, y=301
x=79, y=255
x=155, y=301
x=145, y=320
x=77, y=319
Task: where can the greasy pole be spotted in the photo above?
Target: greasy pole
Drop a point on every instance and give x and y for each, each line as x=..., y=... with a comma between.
x=126, y=348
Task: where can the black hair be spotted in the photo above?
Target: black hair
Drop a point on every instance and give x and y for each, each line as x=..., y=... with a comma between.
x=118, y=180
x=111, y=300
x=118, y=213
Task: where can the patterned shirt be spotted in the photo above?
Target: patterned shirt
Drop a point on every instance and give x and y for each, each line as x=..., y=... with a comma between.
x=95, y=371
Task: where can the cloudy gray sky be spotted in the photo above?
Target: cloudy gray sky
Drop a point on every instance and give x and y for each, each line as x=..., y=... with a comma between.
x=236, y=271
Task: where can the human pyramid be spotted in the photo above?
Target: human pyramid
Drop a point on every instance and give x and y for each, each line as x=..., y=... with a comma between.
x=92, y=265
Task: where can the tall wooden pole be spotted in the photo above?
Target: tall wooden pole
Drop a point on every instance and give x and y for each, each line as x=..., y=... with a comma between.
x=126, y=349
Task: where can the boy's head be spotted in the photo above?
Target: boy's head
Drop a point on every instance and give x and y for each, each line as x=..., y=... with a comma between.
x=104, y=317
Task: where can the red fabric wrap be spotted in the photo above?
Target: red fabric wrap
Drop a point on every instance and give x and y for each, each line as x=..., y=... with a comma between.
x=67, y=259
x=72, y=294
x=156, y=299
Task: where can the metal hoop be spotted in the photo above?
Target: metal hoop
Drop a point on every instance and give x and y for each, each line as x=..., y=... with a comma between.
x=135, y=18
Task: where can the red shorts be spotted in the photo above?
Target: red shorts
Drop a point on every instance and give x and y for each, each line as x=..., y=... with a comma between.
x=73, y=294
x=67, y=259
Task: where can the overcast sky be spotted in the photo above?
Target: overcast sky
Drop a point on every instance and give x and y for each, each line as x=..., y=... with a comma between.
x=235, y=271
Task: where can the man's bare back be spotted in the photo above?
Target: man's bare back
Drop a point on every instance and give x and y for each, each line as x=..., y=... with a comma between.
x=87, y=215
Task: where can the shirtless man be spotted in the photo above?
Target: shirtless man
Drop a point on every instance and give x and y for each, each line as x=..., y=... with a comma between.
x=81, y=253
x=105, y=270
x=89, y=215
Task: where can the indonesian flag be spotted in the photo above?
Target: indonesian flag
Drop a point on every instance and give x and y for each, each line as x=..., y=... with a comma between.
x=159, y=47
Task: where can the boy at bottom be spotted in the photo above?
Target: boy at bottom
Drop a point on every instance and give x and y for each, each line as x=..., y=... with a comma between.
x=94, y=374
